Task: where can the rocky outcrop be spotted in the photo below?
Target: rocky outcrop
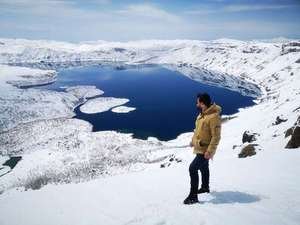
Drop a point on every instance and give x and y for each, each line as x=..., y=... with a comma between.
x=293, y=46
x=170, y=160
x=294, y=132
x=249, y=137
x=288, y=132
x=279, y=120
x=248, y=150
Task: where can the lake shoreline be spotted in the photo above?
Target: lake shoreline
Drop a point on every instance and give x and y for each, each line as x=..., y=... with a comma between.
x=148, y=75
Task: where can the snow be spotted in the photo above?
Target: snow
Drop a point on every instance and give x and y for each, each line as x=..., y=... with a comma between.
x=154, y=196
x=102, y=104
x=123, y=109
x=107, y=177
x=229, y=58
x=23, y=77
x=84, y=91
x=27, y=105
x=65, y=150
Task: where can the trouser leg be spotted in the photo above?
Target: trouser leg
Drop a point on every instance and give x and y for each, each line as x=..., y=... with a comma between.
x=193, y=169
x=205, y=174
x=199, y=163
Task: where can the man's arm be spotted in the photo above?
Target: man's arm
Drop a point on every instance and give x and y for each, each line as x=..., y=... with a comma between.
x=215, y=128
x=192, y=144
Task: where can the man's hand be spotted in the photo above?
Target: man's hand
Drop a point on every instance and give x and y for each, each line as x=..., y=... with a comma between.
x=207, y=155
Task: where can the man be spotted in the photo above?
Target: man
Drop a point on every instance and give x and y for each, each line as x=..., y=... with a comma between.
x=207, y=134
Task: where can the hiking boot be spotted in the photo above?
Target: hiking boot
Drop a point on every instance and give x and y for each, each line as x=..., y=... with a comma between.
x=203, y=190
x=191, y=199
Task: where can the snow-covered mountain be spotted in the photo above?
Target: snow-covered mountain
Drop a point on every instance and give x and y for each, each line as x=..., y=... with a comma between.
x=38, y=125
x=224, y=56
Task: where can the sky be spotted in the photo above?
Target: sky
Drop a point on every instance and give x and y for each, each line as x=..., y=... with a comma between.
x=126, y=20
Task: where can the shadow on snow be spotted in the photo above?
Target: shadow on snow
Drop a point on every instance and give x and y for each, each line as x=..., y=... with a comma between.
x=229, y=197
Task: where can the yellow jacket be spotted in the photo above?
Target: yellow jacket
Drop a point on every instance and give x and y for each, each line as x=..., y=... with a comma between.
x=207, y=132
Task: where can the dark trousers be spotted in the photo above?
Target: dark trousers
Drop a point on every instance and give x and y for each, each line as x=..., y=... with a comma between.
x=199, y=163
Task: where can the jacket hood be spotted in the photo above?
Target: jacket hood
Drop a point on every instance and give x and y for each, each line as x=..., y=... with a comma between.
x=214, y=108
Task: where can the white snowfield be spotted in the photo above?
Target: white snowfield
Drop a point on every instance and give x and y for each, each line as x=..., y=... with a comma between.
x=102, y=104
x=123, y=109
x=112, y=178
x=23, y=77
x=84, y=91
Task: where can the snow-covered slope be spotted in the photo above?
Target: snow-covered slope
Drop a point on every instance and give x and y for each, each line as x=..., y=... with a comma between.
x=244, y=191
x=55, y=148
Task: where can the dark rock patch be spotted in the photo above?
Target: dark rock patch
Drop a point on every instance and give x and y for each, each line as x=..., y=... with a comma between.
x=294, y=132
x=296, y=110
x=165, y=165
x=294, y=142
x=252, y=49
x=248, y=150
x=279, y=120
x=172, y=159
x=12, y=161
x=235, y=146
x=249, y=137
x=119, y=49
x=288, y=132
x=290, y=47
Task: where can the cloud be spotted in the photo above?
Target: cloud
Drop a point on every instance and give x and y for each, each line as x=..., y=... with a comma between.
x=149, y=11
x=240, y=8
x=69, y=9
x=68, y=20
x=102, y=19
x=31, y=7
x=237, y=8
x=102, y=2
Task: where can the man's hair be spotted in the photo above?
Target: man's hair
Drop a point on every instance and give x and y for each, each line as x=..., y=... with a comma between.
x=204, y=98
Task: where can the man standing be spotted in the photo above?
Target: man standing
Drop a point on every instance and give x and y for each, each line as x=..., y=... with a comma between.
x=207, y=134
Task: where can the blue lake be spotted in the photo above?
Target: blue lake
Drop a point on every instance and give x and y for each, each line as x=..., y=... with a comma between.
x=165, y=100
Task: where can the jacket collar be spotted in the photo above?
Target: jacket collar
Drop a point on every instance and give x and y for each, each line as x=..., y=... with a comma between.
x=214, y=108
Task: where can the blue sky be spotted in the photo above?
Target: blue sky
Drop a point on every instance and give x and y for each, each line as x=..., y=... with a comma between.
x=83, y=20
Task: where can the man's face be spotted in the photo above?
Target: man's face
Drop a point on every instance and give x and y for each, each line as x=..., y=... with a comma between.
x=200, y=105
